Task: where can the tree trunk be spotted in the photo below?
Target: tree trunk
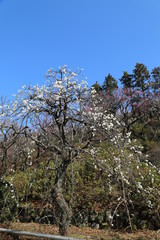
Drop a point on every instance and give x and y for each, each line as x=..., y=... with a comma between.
x=64, y=211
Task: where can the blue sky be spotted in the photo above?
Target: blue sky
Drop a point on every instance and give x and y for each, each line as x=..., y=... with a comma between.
x=101, y=36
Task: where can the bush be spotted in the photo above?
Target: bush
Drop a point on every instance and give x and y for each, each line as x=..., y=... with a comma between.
x=8, y=202
x=34, y=183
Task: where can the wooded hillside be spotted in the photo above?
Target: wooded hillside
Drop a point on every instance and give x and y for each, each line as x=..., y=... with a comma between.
x=71, y=154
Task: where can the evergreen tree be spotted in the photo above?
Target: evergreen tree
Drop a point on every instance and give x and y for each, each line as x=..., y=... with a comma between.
x=109, y=84
x=155, y=84
x=141, y=77
x=127, y=80
x=97, y=87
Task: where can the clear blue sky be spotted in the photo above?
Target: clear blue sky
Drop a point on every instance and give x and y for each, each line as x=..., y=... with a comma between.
x=101, y=36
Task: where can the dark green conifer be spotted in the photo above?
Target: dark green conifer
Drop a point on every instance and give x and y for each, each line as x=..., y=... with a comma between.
x=97, y=87
x=109, y=84
x=141, y=77
x=155, y=84
x=127, y=80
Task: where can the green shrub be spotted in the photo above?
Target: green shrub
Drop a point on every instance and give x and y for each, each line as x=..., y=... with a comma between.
x=8, y=202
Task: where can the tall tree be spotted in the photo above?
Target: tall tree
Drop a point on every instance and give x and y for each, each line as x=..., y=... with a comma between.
x=54, y=116
x=97, y=87
x=127, y=80
x=110, y=84
x=141, y=77
x=155, y=84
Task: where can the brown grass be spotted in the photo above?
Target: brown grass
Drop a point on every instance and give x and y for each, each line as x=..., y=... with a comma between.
x=83, y=233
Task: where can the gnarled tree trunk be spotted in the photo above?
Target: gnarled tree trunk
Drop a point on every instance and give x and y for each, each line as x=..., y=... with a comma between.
x=63, y=209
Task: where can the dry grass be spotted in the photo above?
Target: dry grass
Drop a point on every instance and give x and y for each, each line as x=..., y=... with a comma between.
x=83, y=233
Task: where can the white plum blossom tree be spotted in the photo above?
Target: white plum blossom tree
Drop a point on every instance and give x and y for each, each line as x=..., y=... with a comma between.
x=54, y=119
x=122, y=159
x=7, y=136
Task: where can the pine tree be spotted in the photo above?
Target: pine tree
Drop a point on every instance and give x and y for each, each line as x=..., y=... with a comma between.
x=141, y=77
x=109, y=84
x=127, y=80
x=97, y=87
x=155, y=84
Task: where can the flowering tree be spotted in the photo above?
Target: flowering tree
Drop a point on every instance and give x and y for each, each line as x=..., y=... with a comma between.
x=53, y=117
x=122, y=159
x=11, y=139
x=132, y=108
x=7, y=137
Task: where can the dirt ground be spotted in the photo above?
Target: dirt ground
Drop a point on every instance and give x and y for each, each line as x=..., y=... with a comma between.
x=81, y=233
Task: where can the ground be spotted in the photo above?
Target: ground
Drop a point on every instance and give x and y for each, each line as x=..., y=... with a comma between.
x=82, y=233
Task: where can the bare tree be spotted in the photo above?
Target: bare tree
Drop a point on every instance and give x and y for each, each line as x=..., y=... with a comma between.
x=7, y=136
